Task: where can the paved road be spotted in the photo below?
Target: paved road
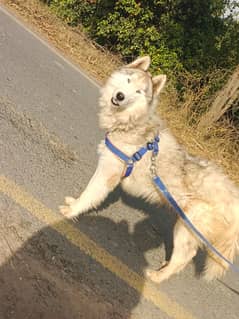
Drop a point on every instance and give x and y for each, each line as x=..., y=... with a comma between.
x=48, y=138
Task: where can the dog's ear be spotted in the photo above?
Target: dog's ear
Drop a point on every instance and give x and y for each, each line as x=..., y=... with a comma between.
x=142, y=63
x=158, y=84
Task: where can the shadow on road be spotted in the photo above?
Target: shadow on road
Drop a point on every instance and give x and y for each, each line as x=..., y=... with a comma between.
x=49, y=278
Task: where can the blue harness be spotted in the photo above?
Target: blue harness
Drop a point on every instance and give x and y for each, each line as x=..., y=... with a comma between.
x=131, y=160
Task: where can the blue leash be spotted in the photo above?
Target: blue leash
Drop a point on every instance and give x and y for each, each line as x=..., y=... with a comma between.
x=130, y=160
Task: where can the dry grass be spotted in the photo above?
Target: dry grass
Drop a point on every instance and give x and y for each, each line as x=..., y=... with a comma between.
x=220, y=143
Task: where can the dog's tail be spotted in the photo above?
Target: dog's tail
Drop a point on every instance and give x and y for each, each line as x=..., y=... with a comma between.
x=228, y=246
x=215, y=267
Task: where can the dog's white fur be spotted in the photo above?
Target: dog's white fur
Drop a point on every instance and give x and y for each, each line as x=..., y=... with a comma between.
x=206, y=195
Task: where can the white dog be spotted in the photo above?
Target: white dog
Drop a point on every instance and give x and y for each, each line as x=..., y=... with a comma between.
x=206, y=195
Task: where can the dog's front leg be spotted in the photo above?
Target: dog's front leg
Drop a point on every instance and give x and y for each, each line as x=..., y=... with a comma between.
x=105, y=179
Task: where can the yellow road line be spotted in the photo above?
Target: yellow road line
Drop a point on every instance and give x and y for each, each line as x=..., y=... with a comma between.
x=89, y=247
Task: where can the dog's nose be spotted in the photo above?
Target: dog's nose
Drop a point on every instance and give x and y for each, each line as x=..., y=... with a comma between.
x=120, y=96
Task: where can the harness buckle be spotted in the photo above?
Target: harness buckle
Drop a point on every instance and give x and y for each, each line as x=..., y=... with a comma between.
x=137, y=156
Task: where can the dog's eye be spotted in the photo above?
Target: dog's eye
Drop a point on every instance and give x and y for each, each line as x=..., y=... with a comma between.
x=128, y=80
x=139, y=91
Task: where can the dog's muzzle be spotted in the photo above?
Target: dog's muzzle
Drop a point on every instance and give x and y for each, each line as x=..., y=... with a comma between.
x=117, y=98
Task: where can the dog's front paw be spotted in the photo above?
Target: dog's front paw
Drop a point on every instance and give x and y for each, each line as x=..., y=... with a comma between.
x=156, y=275
x=153, y=275
x=69, y=210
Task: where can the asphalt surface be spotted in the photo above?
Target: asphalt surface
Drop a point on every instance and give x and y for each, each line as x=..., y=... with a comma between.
x=48, y=138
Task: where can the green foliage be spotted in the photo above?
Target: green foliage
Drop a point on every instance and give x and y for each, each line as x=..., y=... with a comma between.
x=181, y=34
x=129, y=29
x=72, y=11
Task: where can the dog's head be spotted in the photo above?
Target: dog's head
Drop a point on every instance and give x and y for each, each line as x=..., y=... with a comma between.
x=131, y=91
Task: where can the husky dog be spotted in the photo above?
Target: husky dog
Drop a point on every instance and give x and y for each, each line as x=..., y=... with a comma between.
x=207, y=196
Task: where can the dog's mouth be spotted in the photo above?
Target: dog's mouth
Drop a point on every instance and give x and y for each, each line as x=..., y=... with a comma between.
x=114, y=102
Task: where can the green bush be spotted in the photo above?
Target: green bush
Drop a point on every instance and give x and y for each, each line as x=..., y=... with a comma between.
x=130, y=30
x=72, y=11
x=181, y=34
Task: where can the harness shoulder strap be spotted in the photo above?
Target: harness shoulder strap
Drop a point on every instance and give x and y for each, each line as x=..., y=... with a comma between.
x=116, y=151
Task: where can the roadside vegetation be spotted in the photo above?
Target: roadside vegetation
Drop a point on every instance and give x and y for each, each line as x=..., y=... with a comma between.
x=196, y=43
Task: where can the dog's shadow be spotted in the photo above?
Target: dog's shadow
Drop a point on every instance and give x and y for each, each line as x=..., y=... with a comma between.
x=163, y=220
x=160, y=220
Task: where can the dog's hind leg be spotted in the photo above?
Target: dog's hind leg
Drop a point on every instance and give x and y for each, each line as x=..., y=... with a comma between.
x=185, y=248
